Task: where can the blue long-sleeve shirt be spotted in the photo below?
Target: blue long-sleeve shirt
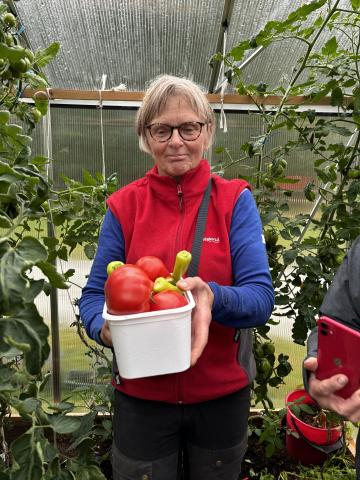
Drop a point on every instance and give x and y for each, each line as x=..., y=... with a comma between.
x=247, y=303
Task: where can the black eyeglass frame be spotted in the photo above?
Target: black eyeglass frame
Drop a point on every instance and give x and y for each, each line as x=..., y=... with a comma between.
x=172, y=128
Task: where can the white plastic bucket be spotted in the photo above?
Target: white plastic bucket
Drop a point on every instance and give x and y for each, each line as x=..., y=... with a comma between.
x=152, y=343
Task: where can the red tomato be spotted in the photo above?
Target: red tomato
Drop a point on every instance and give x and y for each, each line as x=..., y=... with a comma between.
x=153, y=266
x=127, y=291
x=167, y=299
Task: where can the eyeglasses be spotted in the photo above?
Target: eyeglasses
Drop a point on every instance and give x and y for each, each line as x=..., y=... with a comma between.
x=188, y=131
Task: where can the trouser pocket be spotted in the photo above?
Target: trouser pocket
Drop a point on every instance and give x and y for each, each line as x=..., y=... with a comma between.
x=224, y=464
x=126, y=468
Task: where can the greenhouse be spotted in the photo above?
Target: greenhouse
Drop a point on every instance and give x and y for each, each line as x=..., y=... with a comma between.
x=268, y=107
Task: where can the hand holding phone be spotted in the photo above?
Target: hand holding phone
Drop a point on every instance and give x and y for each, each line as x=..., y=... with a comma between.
x=338, y=352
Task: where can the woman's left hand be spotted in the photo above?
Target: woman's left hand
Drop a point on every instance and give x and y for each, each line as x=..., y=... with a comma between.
x=201, y=316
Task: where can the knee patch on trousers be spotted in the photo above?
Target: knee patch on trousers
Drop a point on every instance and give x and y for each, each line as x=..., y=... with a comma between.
x=126, y=468
x=224, y=464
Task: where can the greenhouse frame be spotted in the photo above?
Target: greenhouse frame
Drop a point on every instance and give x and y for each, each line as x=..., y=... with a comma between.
x=283, y=80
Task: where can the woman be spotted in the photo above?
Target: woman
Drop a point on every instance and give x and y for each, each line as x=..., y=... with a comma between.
x=341, y=303
x=206, y=407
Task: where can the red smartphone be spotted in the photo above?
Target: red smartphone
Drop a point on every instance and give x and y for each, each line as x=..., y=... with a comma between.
x=338, y=352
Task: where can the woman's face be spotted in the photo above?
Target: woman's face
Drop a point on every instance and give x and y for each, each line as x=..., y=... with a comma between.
x=176, y=156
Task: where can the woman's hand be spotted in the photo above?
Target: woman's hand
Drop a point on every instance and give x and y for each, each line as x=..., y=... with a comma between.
x=105, y=334
x=324, y=392
x=201, y=315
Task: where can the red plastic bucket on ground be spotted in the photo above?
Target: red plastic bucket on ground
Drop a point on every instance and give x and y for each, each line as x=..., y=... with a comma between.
x=300, y=448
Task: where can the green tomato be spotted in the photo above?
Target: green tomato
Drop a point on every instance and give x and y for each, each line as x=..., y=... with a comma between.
x=9, y=19
x=36, y=114
x=9, y=40
x=269, y=348
x=113, y=266
x=21, y=66
x=29, y=55
x=4, y=117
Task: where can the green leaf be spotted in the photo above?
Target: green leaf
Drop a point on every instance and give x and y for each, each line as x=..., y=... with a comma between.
x=337, y=97
x=18, y=333
x=353, y=191
x=355, y=4
x=343, y=131
x=26, y=456
x=43, y=57
x=356, y=111
x=36, y=80
x=64, y=424
x=330, y=47
x=90, y=250
x=90, y=472
x=13, y=54
x=12, y=282
x=89, y=180
x=5, y=222
x=55, y=278
x=31, y=250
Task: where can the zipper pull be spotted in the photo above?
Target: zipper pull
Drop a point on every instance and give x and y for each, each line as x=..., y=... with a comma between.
x=180, y=195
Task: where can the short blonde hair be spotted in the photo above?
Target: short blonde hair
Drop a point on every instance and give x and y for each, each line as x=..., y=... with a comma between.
x=158, y=93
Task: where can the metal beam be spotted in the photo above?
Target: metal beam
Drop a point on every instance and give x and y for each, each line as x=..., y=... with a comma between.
x=241, y=66
x=225, y=22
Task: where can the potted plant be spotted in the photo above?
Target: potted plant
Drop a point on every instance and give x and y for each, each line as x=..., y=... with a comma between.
x=311, y=432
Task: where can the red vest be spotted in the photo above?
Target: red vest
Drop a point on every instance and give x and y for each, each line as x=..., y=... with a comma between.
x=158, y=217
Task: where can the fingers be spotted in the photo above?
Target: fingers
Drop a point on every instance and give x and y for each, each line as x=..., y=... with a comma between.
x=311, y=364
x=324, y=388
x=105, y=334
x=201, y=315
x=199, y=339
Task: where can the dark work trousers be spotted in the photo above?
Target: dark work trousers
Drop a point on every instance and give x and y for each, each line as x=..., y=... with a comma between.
x=163, y=441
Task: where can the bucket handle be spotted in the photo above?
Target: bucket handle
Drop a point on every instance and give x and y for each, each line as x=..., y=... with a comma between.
x=323, y=448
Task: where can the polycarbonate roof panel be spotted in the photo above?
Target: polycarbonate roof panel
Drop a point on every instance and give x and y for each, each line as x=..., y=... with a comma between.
x=131, y=41
x=274, y=64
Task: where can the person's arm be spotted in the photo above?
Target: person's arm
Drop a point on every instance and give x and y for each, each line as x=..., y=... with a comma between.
x=110, y=248
x=340, y=303
x=250, y=301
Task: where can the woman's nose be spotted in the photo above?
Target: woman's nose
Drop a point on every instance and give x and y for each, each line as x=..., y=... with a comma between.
x=176, y=138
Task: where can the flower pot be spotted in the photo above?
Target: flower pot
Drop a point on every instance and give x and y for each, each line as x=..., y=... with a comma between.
x=305, y=443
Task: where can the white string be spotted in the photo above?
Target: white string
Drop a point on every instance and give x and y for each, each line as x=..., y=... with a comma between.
x=100, y=107
x=223, y=122
x=48, y=136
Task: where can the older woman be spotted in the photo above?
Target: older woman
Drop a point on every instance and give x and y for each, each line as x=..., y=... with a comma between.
x=204, y=409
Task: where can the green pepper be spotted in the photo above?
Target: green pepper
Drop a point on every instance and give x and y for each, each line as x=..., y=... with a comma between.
x=161, y=284
x=182, y=262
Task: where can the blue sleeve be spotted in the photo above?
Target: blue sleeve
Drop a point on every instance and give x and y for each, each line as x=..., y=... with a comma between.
x=110, y=247
x=250, y=301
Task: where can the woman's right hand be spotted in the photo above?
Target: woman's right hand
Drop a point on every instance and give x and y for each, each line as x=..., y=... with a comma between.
x=105, y=334
x=324, y=392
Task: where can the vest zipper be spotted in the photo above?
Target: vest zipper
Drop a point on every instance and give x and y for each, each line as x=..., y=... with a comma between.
x=179, y=393
x=180, y=196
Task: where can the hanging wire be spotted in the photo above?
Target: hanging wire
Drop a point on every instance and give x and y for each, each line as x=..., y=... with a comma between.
x=223, y=122
x=100, y=107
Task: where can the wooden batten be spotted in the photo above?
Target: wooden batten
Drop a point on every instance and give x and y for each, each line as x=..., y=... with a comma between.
x=112, y=95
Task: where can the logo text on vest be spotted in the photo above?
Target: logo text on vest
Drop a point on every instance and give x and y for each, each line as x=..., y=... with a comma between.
x=211, y=239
